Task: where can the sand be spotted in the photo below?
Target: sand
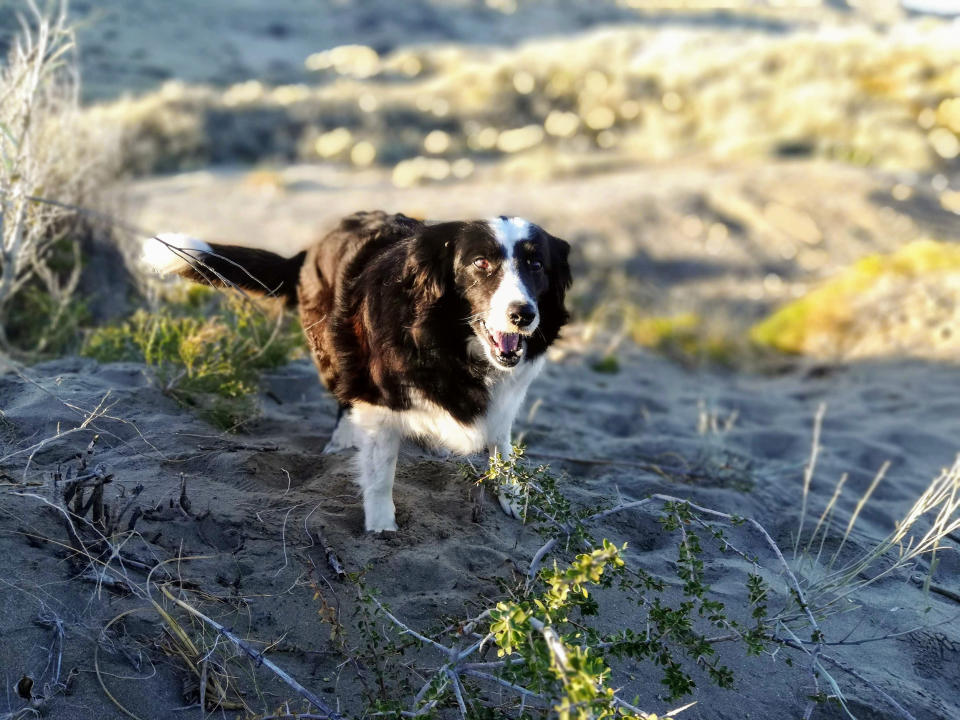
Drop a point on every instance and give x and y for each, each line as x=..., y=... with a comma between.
x=256, y=494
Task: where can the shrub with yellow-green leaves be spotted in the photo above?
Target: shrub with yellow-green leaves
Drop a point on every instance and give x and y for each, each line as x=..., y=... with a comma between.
x=207, y=352
x=555, y=652
x=903, y=303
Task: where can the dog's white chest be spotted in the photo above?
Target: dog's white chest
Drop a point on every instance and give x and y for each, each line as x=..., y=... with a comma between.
x=432, y=424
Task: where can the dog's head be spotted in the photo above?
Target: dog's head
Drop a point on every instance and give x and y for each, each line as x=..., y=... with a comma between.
x=511, y=276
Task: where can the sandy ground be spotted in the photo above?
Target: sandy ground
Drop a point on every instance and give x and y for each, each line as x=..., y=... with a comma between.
x=730, y=242
x=255, y=495
x=258, y=496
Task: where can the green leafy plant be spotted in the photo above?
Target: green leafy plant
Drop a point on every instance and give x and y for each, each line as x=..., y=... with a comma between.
x=555, y=653
x=207, y=352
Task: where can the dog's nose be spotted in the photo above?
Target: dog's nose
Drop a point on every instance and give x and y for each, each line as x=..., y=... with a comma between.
x=521, y=314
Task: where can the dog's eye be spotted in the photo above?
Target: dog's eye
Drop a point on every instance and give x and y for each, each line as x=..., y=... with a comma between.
x=481, y=264
x=534, y=264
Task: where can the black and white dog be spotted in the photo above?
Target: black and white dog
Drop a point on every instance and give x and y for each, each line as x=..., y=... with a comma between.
x=424, y=331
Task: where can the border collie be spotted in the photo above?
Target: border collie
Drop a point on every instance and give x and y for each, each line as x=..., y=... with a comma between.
x=425, y=331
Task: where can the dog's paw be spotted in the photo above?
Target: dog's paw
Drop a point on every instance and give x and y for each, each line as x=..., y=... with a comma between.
x=344, y=438
x=388, y=527
x=511, y=500
x=380, y=518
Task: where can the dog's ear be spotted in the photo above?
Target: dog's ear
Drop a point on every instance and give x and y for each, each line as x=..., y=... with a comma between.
x=428, y=268
x=553, y=313
x=559, y=270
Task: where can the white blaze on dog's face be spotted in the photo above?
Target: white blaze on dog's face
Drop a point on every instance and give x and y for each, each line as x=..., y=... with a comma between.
x=506, y=277
x=512, y=308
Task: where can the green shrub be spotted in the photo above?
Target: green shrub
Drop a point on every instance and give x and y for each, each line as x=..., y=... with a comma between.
x=559, y=655
x=828, y=314
x=37, y=324
x=556, y=653
x=207, y=352
x=607, y=365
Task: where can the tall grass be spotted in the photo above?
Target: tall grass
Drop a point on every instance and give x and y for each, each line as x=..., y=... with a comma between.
x=46, y=154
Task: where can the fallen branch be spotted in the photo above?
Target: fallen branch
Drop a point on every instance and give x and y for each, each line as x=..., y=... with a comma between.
x=256, y=656
x=333, y=560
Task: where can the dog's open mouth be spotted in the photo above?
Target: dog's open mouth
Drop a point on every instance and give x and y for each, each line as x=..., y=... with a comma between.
x=506, y=348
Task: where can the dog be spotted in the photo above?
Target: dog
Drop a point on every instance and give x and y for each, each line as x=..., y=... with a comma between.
x=428, y=331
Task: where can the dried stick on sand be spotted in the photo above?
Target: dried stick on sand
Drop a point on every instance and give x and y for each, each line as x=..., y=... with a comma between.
x=256, y=656
x=333, y=560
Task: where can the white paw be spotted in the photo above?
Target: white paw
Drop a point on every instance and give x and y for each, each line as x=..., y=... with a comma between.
x=336, y=445
x=379, y=517
x=511, y=500
x=389, y=527
x=344, y=438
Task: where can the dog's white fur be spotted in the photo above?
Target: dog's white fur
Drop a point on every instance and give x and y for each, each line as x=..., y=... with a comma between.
x=509, y=232
x=170, y=252
x=377, y=432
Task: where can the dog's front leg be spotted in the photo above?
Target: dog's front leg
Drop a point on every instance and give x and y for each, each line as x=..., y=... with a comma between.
x=508, y=492
x=378, y=464
x=345, y=434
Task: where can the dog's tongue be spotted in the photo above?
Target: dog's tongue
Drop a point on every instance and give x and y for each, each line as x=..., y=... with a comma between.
x=506, y=342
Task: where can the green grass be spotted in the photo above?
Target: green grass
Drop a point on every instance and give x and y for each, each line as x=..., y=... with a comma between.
x=685, y=337
x=607, y=365
x=829, y=310
x=207, y=351
x=38, y=326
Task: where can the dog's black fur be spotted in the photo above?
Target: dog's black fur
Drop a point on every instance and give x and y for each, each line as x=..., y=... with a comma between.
x=426, y=331
x=388, y=305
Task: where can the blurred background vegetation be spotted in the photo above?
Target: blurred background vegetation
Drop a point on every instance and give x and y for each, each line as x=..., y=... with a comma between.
x=772, y=175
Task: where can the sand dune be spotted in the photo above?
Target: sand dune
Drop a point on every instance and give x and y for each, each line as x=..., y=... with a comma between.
x=256, y=494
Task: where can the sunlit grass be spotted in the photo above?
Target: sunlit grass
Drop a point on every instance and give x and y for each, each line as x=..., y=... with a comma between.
x=613, y=96
x=207, y=351
x=829, y=311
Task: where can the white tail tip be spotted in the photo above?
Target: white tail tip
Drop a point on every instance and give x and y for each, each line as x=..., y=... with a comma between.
x=170, y=252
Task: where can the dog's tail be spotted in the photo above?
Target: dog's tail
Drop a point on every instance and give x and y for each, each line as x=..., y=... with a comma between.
x=257, y=271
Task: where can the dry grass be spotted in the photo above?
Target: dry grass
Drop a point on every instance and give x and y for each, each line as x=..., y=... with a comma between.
x=687, y=338
x=915, y=540
x=575, y=105
x=45, y=150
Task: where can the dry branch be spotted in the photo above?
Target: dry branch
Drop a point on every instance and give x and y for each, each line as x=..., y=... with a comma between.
x=256, y=656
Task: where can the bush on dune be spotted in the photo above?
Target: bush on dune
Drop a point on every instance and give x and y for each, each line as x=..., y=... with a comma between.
x=50, y=162
x=901, y=303
x=207, y=352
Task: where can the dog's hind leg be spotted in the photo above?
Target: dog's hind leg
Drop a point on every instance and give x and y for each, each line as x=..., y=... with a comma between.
x=377, y=465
